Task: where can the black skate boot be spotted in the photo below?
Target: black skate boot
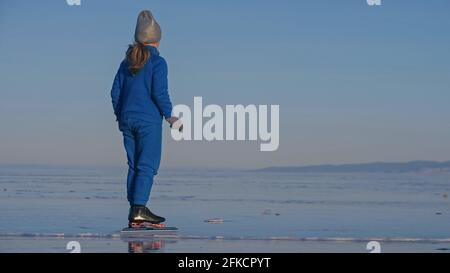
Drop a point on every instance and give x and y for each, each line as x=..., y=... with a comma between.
x=141, y=216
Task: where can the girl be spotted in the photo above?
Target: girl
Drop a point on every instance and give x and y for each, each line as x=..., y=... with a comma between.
x=140, y=100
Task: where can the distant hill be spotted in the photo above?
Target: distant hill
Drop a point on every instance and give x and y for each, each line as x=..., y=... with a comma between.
x=375, y=167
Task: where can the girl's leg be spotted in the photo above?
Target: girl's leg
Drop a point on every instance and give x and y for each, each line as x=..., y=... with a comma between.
x=129, y=143
x=147, y=159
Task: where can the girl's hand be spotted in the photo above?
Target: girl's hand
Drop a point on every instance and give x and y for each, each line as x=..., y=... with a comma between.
x=175, y=123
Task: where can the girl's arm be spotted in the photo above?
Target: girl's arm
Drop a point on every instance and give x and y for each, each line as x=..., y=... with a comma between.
x=115, y=92
x=160, y=87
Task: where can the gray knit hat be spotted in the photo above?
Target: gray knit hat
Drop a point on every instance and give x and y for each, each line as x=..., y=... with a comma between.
x=147, y=29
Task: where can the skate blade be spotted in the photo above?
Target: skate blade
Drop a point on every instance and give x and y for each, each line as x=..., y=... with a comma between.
x=145, y=225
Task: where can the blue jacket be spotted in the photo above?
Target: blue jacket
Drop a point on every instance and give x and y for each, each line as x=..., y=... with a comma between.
x=145, y=95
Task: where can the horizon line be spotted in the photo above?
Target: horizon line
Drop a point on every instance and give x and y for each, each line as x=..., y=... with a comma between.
x=124, y=166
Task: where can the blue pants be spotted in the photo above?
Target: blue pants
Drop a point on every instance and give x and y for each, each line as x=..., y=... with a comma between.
x=142, y=142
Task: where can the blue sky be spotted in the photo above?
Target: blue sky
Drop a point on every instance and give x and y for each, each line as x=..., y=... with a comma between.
x=354, y=83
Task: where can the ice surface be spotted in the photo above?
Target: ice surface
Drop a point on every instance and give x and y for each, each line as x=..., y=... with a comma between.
x=90, y=203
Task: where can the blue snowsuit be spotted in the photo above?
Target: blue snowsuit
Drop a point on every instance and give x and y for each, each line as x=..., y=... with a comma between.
x=140, y=102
